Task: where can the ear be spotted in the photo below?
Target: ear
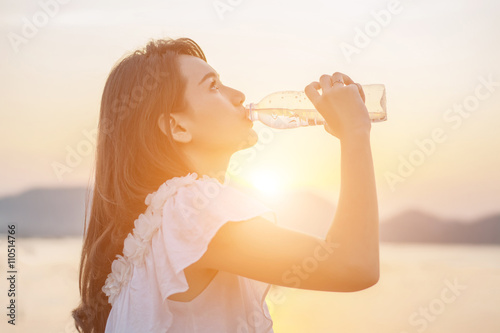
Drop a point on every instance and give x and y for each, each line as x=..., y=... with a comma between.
x=179, y=133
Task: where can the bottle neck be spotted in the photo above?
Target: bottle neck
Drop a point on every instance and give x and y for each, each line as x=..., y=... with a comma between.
x=251, y=113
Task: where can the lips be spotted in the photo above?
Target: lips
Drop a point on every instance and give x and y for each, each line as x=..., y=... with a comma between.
x=245, y=112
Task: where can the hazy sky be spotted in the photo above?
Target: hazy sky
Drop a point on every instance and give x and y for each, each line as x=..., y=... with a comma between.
x=438, y=151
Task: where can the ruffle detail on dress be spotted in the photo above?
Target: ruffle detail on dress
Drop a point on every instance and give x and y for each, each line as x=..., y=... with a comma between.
x=145, y=226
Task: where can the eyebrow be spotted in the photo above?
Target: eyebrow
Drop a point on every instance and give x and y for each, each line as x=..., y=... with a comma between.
x=211, y=74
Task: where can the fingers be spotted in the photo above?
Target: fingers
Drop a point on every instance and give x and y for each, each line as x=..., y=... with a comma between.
x=312, y=93
x=326, y=82
x=361, y=92
x=338, y=79
x=347, y=80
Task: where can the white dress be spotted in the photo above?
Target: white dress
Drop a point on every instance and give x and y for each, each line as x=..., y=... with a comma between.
x=174, y=232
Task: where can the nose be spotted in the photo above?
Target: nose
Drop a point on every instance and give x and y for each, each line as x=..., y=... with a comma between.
x=237, y=97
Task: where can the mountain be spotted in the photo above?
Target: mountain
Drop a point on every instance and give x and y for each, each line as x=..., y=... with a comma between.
x=59, y=212
x=45, y=212
x=416, y=226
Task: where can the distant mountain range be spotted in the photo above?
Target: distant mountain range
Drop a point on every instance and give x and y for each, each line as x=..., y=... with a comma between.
x=59, y=212
x=416, y=226
x=45, y=212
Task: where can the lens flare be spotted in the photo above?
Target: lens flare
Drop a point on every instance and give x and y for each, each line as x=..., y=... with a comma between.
x=267, y=181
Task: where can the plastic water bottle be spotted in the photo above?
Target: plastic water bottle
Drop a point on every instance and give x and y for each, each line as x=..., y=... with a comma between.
x=291, y=109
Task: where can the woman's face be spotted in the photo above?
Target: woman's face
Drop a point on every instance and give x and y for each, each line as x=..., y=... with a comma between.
x=214, y=114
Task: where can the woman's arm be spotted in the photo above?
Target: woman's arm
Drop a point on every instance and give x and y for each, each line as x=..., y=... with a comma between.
x=355, y=226
x=348, y=259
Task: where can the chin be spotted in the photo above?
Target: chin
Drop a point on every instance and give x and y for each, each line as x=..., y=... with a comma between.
x=249, y=140
x=253, y=137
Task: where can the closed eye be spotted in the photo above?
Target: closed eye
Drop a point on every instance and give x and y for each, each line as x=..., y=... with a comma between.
x=214, y=85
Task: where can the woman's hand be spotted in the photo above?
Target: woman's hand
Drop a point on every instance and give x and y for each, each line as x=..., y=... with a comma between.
x=341, y=104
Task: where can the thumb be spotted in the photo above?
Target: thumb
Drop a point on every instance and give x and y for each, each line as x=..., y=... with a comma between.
x=329, y=129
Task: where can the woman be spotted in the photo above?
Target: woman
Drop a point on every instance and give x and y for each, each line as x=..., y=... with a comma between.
x=159, y=254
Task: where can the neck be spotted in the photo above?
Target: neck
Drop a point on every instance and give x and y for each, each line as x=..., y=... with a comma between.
x=209, y=163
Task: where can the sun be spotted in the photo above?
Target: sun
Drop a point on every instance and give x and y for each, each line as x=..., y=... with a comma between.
x=267, y=181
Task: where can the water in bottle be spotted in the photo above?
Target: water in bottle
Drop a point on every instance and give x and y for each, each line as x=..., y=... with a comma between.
x=291, y=109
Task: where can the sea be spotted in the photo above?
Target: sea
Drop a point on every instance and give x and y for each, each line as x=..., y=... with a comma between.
x=422, y=288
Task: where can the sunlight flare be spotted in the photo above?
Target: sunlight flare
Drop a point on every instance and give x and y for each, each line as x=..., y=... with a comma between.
x=267, y=181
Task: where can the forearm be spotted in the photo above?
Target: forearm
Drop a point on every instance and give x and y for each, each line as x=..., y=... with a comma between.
x=355, y=225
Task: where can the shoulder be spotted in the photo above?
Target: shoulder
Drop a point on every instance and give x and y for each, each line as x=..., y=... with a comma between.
x=168, y=189
x=206, y=186
x=199, y=192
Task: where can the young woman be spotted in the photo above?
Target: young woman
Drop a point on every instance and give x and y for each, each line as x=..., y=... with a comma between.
x=159, y=253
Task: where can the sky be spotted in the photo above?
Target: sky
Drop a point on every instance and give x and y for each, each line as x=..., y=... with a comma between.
x=439, y=61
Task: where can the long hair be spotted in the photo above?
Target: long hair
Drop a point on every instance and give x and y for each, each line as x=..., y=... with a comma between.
x=133, y=158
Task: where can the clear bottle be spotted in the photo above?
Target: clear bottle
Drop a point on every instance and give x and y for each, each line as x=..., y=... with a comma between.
x=291, y=109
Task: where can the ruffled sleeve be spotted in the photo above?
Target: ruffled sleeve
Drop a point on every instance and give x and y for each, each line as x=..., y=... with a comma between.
x=190, y=221
x=181, y=219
